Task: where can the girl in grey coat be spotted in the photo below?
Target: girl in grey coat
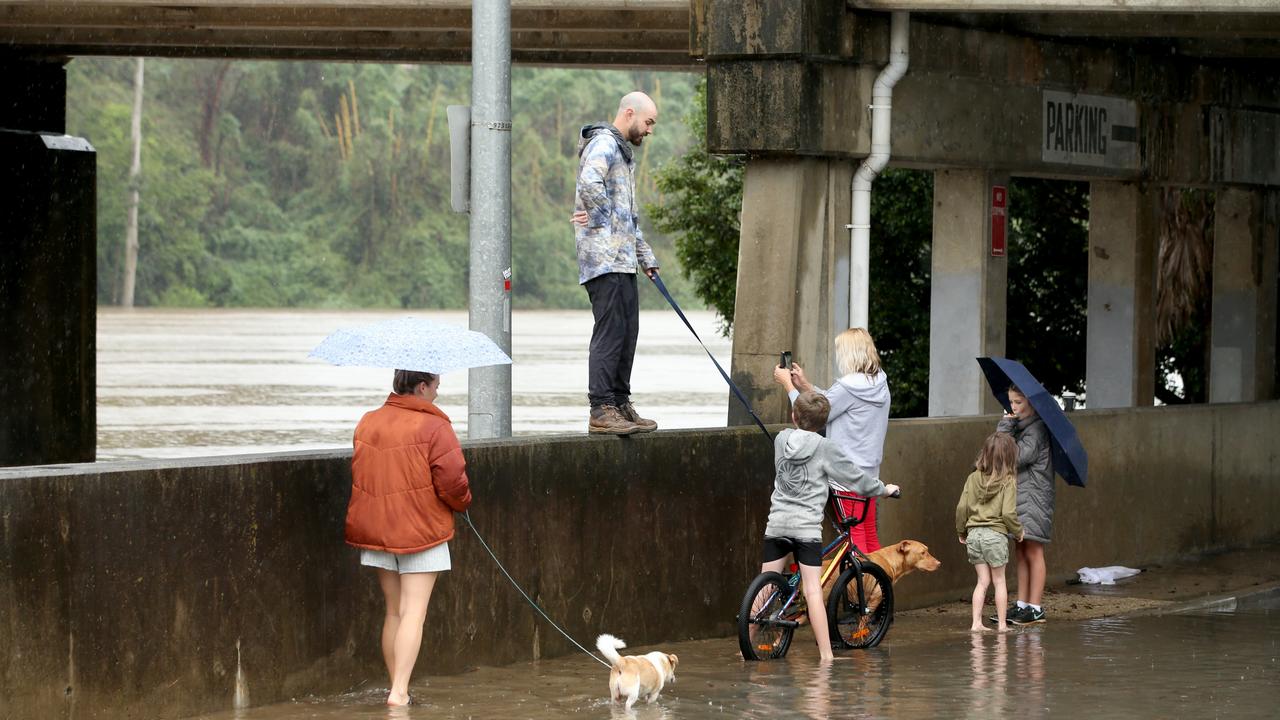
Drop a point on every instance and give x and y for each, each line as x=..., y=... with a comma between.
x=1035, y=504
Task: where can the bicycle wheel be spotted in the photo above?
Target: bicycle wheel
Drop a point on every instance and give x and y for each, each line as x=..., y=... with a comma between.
x=861, y=623
x=763, y=634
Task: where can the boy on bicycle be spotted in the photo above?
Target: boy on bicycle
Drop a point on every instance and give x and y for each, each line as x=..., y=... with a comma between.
x=805, y=463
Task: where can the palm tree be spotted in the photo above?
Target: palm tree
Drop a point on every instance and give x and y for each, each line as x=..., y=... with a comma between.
x=1183, y=286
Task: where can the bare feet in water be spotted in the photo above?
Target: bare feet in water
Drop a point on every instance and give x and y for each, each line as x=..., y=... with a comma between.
x=395, y=699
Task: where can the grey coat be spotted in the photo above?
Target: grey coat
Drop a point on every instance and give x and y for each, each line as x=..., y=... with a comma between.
x=1035, y=476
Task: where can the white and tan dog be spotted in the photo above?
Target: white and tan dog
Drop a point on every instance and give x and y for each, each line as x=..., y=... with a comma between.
x=636, y=676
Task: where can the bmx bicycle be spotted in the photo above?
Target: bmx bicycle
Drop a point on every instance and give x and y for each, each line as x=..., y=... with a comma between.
x=859, y=608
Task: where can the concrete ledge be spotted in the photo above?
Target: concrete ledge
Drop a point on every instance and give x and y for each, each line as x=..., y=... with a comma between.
x=144, y=589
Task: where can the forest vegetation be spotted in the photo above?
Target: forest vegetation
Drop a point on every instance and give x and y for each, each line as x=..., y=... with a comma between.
x=292, y=184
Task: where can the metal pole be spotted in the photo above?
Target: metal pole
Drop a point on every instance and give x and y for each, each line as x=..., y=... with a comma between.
x=489, y=295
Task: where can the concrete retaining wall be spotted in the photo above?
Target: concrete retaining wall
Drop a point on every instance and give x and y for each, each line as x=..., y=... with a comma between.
x=156, y=589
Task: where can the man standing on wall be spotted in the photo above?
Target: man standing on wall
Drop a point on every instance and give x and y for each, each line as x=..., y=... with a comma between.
x=610, y=247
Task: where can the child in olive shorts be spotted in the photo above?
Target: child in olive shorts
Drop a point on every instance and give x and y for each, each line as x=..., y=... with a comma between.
x=986, y=516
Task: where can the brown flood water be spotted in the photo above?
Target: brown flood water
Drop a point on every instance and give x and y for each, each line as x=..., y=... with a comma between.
x=1202, y=664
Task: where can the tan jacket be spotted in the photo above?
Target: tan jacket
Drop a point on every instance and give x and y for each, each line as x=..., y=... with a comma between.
x=981, y=506
x=408, y=477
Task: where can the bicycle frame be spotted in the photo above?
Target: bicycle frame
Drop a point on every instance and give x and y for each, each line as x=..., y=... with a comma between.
x=845, y=549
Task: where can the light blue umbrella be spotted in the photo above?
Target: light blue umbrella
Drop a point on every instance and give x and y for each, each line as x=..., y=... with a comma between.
x=410, y=344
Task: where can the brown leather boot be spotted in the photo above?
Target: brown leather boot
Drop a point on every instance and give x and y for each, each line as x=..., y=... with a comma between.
x=608, y=420
x=628, y=411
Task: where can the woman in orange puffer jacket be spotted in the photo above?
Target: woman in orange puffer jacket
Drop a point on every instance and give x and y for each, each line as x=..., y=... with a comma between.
x=408, y=478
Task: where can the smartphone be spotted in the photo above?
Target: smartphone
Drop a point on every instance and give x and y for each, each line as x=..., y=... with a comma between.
x=785, y=359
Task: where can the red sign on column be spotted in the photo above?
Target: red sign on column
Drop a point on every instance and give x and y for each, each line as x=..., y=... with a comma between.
x=999, y=203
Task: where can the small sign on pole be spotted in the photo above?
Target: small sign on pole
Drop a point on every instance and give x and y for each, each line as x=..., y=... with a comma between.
x=999, y=211
x=459, y=157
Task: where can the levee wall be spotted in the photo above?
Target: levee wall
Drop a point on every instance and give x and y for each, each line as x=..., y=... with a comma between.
x=159, y=590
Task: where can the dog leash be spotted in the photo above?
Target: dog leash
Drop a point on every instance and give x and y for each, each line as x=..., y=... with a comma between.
x=516, y=585
x=662, y=288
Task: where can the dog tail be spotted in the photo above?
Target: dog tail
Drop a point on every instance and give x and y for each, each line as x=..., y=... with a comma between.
x=608, y=646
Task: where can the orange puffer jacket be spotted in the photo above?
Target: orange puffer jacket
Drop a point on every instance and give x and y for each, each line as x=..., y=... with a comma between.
x=408, y=477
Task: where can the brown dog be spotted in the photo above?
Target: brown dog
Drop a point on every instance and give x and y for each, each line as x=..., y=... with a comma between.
x=904, y=557
x=634, y=676
x=899, y=559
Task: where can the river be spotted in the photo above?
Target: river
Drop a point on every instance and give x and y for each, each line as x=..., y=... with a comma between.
x=187, y=383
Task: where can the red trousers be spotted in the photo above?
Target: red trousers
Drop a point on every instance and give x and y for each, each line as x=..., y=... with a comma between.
x=864, y=533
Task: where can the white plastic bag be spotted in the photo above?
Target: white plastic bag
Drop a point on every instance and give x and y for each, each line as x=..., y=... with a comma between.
x=1105, y=575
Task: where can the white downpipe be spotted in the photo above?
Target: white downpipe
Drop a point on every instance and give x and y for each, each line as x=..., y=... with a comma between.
x=860, y=229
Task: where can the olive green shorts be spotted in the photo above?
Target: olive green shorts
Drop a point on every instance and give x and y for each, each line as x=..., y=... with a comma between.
x=987, y=545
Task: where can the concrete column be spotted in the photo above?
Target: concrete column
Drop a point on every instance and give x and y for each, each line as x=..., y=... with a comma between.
x=789, y=296
x=1242, y=358
x=1120, y=335
x=48, y=289
x=967, y=307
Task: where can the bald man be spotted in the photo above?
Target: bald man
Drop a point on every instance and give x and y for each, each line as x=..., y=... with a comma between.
x=610, y=249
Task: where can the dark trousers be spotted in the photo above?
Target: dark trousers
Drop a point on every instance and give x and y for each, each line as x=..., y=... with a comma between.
x=615, y=304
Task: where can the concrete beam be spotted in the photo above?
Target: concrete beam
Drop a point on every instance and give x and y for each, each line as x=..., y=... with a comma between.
x=1165, y=26
x=968, y=292
x=1243, y=331
x=641, y=33
x=1120, y=333
x=977, y=99
x=1117, y=7
x=660, y=48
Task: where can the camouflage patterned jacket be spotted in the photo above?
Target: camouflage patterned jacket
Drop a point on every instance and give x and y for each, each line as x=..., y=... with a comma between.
x=611, y=241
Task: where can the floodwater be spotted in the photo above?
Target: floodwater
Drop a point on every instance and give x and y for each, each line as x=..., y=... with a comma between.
x=1205, y=664
x=216, y=382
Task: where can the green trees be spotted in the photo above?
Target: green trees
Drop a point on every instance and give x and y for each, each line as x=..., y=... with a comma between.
x=702, y=209
x=326, y=185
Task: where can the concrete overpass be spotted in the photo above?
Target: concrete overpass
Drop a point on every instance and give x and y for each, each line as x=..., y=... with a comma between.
x=1191, y=99
x=618, y=33
x=1190, y=92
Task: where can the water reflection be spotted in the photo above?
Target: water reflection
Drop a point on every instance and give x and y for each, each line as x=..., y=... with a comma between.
x=816, y=700
x=1225, y=663
x=989, y=672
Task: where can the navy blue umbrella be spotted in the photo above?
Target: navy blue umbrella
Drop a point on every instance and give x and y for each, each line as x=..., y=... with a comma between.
x=1069, y=458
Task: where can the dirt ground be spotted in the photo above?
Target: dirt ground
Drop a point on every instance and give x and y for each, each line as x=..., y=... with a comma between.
x=1187, y=582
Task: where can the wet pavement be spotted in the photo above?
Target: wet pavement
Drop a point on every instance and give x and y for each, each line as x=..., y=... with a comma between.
x=1200, y=638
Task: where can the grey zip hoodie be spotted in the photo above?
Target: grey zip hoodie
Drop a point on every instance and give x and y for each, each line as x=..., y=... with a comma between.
x=805, y=463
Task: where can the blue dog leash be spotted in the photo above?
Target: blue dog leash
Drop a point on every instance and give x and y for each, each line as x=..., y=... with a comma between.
x=662, y=288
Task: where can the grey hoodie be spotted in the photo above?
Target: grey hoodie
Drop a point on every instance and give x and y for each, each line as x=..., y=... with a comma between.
x=805, y=463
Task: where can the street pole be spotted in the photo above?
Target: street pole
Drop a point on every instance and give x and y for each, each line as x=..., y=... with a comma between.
x=489, y=292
